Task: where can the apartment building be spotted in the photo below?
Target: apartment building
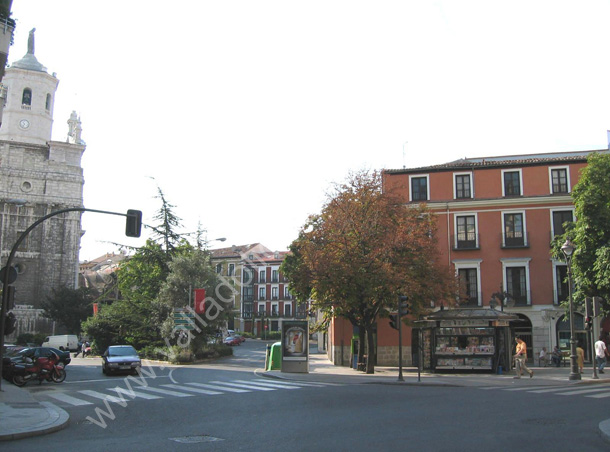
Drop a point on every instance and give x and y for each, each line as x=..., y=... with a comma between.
x=496, y=219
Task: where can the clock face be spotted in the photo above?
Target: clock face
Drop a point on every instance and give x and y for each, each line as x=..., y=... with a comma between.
x=24, y=123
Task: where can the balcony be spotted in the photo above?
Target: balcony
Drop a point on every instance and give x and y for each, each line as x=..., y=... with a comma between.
x=514, y=240
x=519, y=298
x=465, y=242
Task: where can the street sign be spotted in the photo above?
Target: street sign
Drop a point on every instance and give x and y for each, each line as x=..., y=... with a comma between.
x=184, y=319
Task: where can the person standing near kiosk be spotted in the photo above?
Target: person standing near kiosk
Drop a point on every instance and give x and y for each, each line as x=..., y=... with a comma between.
x=520, y=357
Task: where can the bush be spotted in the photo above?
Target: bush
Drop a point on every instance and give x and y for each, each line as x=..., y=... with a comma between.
x=29, y=338
x=272, y=335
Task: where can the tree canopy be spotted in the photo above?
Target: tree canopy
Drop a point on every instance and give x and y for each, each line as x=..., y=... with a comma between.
x=590, y=232
x=364, y=250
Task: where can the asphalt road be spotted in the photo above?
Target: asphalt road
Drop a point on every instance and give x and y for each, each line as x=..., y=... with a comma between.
x=227, y=406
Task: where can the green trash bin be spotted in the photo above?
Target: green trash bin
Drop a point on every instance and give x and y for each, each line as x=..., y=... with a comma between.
x=275, y=357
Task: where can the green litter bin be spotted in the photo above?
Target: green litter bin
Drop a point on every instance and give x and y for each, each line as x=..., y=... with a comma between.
x=275, y=357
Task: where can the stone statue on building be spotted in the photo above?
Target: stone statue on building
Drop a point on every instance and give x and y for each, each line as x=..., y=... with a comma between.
x=31, y=41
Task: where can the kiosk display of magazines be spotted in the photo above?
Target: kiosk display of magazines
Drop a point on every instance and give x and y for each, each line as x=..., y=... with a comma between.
x=467, y=339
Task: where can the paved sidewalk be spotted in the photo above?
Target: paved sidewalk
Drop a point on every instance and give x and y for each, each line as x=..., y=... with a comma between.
x=21, y=416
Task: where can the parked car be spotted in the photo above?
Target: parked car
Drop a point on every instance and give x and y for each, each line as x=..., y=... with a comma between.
x=121, y=358
x=240, y=338
x=231, y=340
x=19, y=354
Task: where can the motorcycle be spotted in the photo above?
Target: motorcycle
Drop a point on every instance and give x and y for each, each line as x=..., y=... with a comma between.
x=49, y=369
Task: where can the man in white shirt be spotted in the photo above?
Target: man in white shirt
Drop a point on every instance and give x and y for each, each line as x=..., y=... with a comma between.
x=600, y=354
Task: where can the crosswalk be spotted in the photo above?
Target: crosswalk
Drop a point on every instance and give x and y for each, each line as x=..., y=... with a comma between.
x=126, y=393
x=600, y=391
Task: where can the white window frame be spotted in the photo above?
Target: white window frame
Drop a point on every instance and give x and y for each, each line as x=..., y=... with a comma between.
x=288, y=305
x=469, y=174
x=551, y=168
x=455, y=224
x=556, y=283
x=418, y=176
x=517, y=170
x=559, y=210
x=467, y=264
x=525, y=237
x=518, y=262
x=275, y=290
x=275, y=307
x=262, y=293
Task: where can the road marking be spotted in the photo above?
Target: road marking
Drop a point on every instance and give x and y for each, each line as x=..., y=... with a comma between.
x=600, y=396
x=238, y=385
x=69, y=399
x=583, y=391
x=197, y=390
x=562, y=388
x=297, y=383
x=166, y=392
x=101, y=395
x=267, y=385
x=133, y=394
x=525, y=388
x=202, y=385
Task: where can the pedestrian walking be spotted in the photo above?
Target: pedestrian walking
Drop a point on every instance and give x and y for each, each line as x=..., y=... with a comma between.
x=556, y=356
x=520, y=357
x=601, y=351
x=580, y=357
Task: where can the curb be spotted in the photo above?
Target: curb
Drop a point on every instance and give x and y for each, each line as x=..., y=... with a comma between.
x=57, y=420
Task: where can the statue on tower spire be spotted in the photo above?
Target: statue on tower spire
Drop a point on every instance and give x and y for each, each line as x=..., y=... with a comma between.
x=31, y=41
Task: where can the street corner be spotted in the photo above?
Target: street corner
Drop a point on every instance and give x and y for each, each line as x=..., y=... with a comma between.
x=23, y=417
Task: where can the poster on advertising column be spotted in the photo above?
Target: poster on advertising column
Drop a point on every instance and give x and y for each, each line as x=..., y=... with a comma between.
x=295, y=346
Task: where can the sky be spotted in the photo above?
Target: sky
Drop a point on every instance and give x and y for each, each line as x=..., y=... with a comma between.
x=245, y=112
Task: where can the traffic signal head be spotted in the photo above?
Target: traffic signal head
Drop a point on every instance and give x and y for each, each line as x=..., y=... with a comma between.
x=588, y=323
x=403, y=305
x=394, y=321
x=133, y=225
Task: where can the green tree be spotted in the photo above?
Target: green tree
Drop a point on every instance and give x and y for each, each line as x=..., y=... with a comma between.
x=189, y=270
x=590, y=232
x=68, y=307
x=364, y=250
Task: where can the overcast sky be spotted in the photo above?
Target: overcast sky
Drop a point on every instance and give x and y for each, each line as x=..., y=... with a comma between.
x=245, y=112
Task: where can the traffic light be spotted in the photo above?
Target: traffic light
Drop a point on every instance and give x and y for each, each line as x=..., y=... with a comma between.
x=588, y=323
x=394, y=321
x=588, y=307
x=10, y=322
x=597, y=306
x=10, y=297
x=403, y=305
x=133, y=225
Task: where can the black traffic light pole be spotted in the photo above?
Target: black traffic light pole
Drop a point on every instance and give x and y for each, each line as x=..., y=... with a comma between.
x=403, y=309
x=132, y=229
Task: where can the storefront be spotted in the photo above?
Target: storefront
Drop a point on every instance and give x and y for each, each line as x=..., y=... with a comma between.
x=468, y=339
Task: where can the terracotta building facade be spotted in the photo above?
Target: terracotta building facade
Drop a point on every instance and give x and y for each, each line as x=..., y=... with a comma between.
x=496, y=219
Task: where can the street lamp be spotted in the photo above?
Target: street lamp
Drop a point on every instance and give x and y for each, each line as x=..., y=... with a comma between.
x=568, y=250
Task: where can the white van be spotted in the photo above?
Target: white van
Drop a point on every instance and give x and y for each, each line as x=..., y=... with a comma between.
x=68, y=342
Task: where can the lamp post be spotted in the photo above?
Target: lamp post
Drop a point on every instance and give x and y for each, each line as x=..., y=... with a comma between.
x=568, y=249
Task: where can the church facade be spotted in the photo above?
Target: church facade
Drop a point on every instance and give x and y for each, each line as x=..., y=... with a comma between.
x=37, y=177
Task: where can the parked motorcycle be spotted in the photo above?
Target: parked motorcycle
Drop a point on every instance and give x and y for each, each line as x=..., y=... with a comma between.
x=50, y=369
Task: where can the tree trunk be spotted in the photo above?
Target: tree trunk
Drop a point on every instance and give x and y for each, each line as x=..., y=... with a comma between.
x=370, y=362
x=361, y=344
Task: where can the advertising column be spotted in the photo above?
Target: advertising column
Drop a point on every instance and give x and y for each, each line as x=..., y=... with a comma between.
x=295, y=346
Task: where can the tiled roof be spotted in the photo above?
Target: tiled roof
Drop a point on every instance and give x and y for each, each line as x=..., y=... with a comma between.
x=232, y=251
x=506, y=160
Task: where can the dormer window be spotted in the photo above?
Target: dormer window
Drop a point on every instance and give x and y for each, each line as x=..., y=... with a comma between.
x=26, y=98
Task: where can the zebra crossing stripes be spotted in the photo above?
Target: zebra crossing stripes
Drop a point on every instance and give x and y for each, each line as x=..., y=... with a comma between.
x=166, y=391
x=63, y=397
x=265, y=384
x=222, y=388
x=197, y=390
x=133, y=394
x=122, y=395
x=241, y=385
x=596, y=392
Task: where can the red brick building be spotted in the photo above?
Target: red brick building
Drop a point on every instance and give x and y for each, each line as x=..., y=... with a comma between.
x=496, y=218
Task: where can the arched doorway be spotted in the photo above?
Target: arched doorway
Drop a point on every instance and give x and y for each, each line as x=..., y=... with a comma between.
x=523, y=329
x=582, y=336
